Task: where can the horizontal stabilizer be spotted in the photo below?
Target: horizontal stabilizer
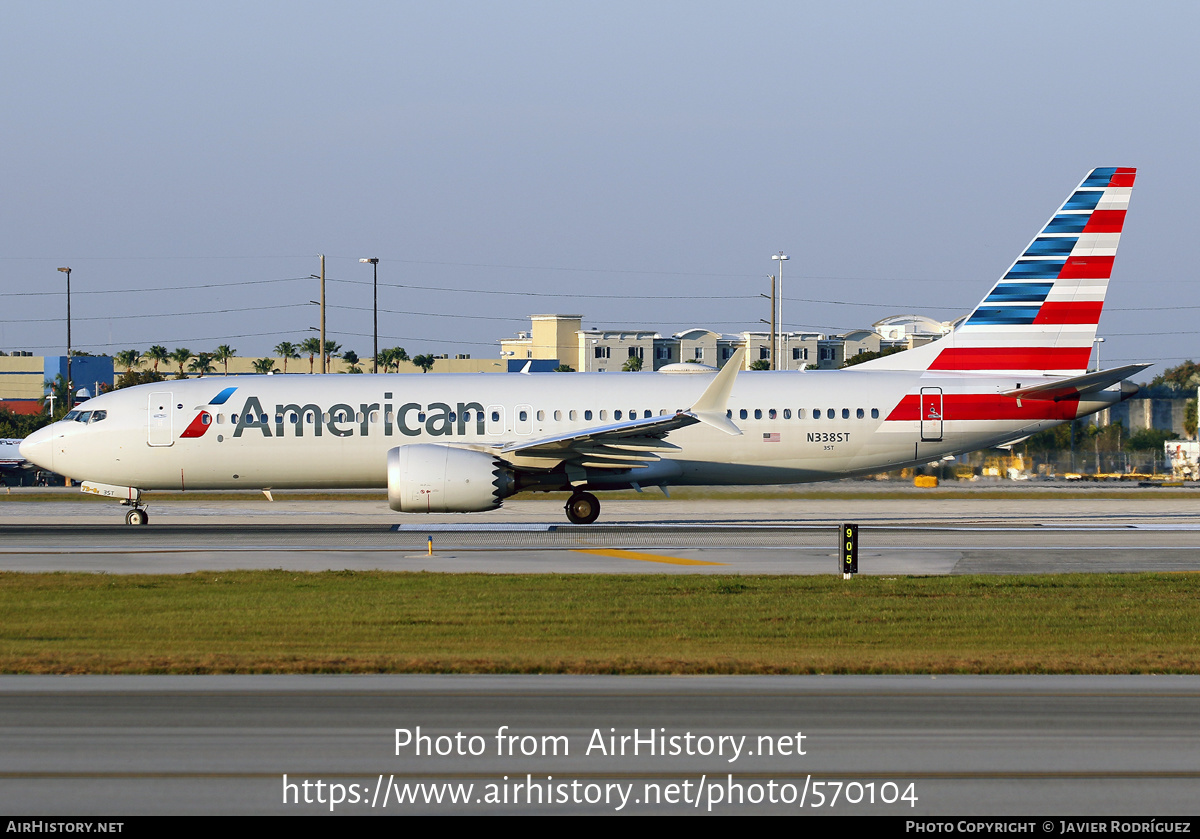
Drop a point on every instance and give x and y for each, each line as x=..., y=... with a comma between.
x=1076, y=385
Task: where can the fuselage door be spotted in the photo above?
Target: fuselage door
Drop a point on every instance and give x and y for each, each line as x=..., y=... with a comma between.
x=524, y=418
x=931, y=414
x=159, y=431
x=495, y=420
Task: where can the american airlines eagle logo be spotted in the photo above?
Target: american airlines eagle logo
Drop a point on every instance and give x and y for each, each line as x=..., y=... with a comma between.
x=203, y=420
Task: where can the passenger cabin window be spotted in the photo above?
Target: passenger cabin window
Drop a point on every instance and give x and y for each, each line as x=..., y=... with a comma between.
x=523, y=416
x=787, y=413
x=874, y=413
x=816, y=413
x=845, y=413
x=617, y=415
x=743, y=414
x=758, y=413
x=587, y=415
x=860, y=413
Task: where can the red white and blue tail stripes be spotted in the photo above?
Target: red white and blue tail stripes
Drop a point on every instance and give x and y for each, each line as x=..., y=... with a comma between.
x=1042, y=314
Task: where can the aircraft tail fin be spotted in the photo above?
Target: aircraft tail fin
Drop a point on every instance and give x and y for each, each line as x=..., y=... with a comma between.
x=1041, y=316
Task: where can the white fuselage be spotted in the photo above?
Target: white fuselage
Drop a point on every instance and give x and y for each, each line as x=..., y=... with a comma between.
x=302, y=431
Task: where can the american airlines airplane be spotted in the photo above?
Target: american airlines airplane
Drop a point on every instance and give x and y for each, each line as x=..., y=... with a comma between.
x=465, y=442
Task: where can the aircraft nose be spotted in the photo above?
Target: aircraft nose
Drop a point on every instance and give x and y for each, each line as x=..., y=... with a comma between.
x=38, y=448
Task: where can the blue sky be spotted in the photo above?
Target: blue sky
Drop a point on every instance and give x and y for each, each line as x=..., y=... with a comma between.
x=634, y=162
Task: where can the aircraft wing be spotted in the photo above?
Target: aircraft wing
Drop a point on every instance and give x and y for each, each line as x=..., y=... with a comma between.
x=1076, y=385
x=634, y=443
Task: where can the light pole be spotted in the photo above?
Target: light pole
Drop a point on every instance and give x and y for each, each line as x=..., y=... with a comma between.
x=1096, y=342
x=375, y=313
x=774, y=364
x=70, y=395
x=321, y=277
x=781, y=256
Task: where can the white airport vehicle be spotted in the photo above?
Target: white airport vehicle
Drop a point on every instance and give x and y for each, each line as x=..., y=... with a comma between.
x=10, y=455
x=465, y=442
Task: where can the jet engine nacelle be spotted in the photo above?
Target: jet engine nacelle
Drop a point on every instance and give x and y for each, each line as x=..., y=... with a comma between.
x=425, y=478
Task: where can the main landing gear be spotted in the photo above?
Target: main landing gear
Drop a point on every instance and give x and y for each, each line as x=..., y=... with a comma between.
x=582, y=508
x=137, y=516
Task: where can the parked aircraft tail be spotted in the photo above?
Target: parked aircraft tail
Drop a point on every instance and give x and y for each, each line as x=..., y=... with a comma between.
x=1041, y=316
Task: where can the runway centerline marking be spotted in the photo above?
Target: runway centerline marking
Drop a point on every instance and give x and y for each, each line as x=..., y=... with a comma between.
x=641, y=557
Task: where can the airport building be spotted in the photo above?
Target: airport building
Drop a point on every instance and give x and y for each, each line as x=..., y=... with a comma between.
x=563, y=340
x=23, y=377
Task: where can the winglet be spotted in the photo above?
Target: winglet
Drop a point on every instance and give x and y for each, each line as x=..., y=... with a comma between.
x=710, y=407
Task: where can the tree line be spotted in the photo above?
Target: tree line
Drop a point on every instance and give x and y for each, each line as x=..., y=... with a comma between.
x=205, y=363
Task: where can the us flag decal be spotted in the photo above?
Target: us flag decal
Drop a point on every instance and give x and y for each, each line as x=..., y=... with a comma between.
x=770, y=438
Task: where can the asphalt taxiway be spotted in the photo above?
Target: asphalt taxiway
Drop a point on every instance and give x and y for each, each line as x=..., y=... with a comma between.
x=990, y=533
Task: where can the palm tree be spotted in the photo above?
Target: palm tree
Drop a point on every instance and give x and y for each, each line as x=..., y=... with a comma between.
x=633, y=365
x=156, y=354
x=332, y=348
x=312, y=346
x=180, y=357
x=392, y=358
x=128, y=359
x=264, y=366
x=425, y=362
x=203, y=364
x=286, y=350
x=223, y=354
x=351, y=358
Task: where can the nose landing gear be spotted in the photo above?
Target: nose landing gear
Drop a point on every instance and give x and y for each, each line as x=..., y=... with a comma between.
x=582, y=508
x=128, y=496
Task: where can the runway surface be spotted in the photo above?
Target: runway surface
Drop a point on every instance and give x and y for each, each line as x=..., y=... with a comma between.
x=991, y=534
x=1095, y=746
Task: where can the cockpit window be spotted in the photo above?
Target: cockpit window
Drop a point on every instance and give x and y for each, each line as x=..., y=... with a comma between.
x=84, y=416
x=70, y=416
x=97, y=416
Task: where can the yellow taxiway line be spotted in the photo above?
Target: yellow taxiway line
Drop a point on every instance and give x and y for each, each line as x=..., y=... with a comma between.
x=641, y=557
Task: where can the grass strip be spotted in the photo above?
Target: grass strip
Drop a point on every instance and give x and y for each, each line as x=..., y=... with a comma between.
x=381, y=622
